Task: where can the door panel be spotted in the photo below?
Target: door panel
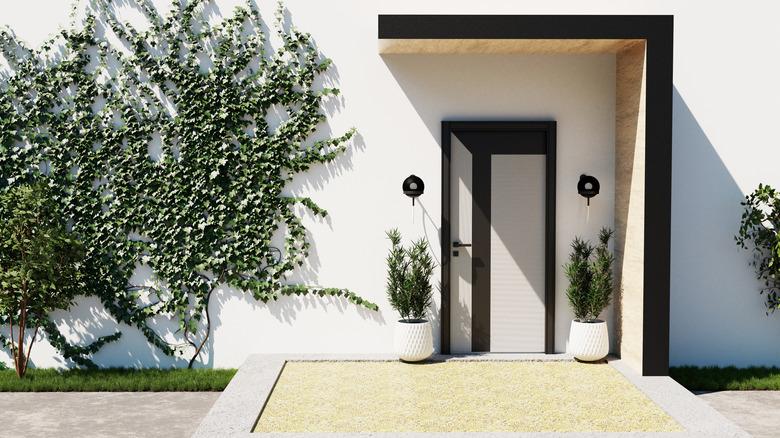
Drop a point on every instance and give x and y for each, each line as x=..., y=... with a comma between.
x=517, y=247
x=460, y=273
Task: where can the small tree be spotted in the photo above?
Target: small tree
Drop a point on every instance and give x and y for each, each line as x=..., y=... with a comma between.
x=758, y=230
x=409, y=273
x=591, y=281
x=39, y=265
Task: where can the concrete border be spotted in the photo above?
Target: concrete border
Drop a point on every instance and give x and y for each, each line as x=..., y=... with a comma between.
x=238, y=408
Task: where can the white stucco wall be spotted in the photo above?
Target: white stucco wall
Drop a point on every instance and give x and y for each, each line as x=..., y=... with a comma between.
x=724, y=116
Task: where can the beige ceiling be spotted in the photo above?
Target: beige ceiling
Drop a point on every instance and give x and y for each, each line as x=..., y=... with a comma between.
x=498, y=46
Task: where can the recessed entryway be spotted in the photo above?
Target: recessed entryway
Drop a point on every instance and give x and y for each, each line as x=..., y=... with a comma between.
x=642, y=47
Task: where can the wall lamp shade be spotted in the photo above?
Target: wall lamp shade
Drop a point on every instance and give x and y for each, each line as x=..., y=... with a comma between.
x=588, y=186
x=413, y=187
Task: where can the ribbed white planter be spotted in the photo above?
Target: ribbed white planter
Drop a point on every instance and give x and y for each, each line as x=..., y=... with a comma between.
x=413, y=340
x=589, y=341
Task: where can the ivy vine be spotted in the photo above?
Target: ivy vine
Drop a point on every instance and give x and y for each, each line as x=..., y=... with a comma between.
x=82, y=114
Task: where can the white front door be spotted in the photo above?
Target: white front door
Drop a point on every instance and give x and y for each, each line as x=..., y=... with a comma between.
x=498, y=234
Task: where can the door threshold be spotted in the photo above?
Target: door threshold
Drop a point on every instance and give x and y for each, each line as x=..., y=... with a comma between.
x=487, y=356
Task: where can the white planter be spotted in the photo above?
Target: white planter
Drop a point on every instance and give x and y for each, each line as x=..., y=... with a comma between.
x=589, y=341
x=413, y=340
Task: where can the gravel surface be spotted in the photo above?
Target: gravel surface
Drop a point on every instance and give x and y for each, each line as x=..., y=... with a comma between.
x=458, y=397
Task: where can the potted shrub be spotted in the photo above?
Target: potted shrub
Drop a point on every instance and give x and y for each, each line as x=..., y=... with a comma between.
x=40, y=266
x=410, y=292
x=759, y=232
x=589, y=272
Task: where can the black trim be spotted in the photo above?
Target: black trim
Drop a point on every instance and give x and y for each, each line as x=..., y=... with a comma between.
x=658, y=199
x=657, y=31
x=480, y=255
x=508, y=142
x=444, y=238
x=484, y=139
x=524, y=26
x=549, y=272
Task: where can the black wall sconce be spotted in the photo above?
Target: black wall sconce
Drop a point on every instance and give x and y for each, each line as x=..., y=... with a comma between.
x=413, y=187
x=588, y=187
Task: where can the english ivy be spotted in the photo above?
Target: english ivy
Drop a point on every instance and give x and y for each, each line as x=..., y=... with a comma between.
x=83, y=115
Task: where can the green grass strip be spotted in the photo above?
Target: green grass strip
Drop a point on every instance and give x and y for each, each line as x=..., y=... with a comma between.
x=727, y=378
x=116, y=380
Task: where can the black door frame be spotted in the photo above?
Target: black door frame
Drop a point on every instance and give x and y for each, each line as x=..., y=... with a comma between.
x=495, y=135
x=658, y=33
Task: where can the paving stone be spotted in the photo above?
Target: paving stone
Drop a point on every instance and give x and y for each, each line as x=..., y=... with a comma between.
x=103, y=414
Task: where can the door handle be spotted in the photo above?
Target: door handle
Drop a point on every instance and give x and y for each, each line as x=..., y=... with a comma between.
x=457, y=244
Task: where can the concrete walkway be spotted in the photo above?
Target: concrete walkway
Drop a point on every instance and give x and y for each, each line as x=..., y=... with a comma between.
x=177, y=414
x=103, y=414
x=758, y=412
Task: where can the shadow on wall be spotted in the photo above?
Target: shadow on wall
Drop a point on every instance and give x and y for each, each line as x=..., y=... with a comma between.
x=416, y=74
x=717, y=314
x=429, y=231
x=284, y=310
x=88, y=320
x=315, y=179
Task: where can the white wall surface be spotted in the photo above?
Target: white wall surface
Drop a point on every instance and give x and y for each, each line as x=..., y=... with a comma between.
x=725, y=113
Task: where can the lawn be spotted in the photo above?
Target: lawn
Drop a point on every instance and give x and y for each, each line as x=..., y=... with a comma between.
x=458, y=396
x=727, y=378
x=116, y=380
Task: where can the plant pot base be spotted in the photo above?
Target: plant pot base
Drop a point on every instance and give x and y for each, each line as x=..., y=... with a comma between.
x=588, y=341
x=413, y=341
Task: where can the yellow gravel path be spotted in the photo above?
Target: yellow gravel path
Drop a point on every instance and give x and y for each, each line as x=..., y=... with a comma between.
x=458, y=396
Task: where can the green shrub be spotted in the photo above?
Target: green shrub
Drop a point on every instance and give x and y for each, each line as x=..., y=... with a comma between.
x=409, y=273
x=591, y=281
x=758, y=231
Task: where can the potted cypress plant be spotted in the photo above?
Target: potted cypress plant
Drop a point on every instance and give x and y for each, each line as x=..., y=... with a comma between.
x=410, y=292
x=591, y=285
